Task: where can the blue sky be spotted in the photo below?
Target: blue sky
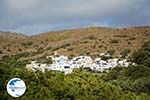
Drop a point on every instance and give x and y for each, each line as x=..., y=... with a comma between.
x=37, y=16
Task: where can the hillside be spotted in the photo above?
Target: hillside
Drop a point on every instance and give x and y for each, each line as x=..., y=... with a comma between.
x=85, y=41
x=119, y=83
x=11, y=36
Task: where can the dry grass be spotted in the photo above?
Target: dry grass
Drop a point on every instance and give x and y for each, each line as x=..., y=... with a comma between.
x=91, y=41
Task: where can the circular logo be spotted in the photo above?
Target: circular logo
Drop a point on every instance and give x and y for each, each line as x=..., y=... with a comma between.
x=16, y=87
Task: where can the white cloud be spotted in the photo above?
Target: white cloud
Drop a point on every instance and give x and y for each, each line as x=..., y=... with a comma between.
x=18, y=5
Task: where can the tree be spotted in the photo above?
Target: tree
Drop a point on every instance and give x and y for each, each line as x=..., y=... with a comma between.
x=142, y=56
x=135, y=72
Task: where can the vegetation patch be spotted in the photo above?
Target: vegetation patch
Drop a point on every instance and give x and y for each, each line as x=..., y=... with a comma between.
x=114, y=41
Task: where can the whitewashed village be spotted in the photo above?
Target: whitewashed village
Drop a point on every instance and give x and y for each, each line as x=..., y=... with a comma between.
x=65, y=65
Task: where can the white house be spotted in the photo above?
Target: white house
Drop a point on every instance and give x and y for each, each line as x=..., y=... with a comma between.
x=61, y=63
x=64, y=64
x=36, y=66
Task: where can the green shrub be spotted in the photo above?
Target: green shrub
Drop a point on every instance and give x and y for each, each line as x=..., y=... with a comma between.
x=142, y=85
x=5, y=58
x=40, y=50
x=27, y=44
x=142, y=56
x=135, y=72
x=114, y=41
x=132, y=38
x=125, y=52
x=21, y=54
x=70, y=49
x=111, y=52
x=1, y=52
x=121, y=36
x=20, y=49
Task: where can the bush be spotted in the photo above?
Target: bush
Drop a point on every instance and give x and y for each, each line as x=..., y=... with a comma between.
x=106, y=57
x=113, y=74
x=142, y=56
x=40, y=50
x=21, y=54
x=111, y=52
x=27, y=44
x=1, y=52
x=5, y=58
x=142, y=85
x=125, y=52
x=70, y=49
x=135, y=72
x=57, y=86
x=4, y=47
x=20, y=49
x=132, y=38
x=114, y=41
x=121, y=36
x=64, y=46
x=48, y=61
x=8, y=50
x=91, y=37
x=129, y=43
